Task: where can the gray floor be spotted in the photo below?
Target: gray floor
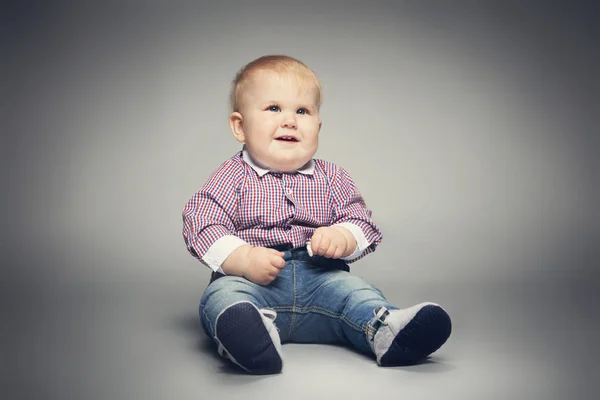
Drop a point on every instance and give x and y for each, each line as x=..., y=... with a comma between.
x=119, y=336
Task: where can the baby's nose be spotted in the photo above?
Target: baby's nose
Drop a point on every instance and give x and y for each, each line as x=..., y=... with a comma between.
x=289, y=121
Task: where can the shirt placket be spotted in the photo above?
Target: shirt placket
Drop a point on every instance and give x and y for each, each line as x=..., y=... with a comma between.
x=290, y=206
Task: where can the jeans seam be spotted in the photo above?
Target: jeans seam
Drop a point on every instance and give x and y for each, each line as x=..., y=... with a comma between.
x=293, y=320
x=328, y=313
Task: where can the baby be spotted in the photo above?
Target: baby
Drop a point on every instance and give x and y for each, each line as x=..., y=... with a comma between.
x=279, y=228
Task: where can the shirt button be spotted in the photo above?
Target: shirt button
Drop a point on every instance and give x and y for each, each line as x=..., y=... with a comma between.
x=288, y=191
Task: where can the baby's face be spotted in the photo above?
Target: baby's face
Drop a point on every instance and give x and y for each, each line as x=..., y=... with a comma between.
x=280, y=120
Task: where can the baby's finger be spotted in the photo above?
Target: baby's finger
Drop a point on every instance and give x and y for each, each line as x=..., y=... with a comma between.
x=338, y=252
x=323, y=246
x=315, y=241
x=330, y=252
x=277, y=261
x=276, y=252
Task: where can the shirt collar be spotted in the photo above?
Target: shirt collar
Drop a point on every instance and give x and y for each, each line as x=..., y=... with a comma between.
x=306, y=169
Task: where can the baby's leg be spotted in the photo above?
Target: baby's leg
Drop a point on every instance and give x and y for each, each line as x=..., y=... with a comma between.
x=333, y=306
x=234, y=314
x=336, y=306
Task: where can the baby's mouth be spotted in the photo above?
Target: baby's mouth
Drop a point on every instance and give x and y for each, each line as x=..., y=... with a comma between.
x=287, y=139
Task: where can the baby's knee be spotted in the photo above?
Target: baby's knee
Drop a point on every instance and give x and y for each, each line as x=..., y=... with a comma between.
x=227, y=283
x=347, y=281
x=355, y=289
x=228, y=290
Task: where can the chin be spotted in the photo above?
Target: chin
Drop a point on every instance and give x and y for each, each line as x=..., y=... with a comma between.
x=286, y=168
x=289, y=166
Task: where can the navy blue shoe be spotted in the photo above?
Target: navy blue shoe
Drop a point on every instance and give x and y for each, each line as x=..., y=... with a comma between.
x=408, y=336
x=248, y=337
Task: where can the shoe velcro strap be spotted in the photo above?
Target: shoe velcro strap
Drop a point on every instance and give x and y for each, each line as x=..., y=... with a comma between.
x=381, y=314
x=269, y=313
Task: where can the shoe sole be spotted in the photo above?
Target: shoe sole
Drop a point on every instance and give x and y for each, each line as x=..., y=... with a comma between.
x=242, y=333
x=425, y=333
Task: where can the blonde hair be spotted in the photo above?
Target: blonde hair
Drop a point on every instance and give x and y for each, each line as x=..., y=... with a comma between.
x=277, y=63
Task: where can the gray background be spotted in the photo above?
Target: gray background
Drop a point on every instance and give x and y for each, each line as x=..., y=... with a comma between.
x=471, y=129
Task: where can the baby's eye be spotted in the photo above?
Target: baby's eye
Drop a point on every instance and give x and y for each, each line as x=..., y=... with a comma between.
x=274, y=108
x=302, y=111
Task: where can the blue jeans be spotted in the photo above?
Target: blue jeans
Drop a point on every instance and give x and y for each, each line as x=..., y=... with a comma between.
x=316, y=299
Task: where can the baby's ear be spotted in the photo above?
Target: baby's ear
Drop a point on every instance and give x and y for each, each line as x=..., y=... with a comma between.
x=236, y=122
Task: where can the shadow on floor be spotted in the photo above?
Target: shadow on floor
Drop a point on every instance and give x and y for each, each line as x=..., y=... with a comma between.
x=191, y=325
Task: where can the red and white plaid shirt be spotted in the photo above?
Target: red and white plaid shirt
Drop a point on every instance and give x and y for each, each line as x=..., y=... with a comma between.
x=244, y=203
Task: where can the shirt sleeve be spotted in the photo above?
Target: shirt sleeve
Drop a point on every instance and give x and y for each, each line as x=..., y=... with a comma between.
x=208, y=217
x=220, y=250
x=359, y=236
x=350, y=208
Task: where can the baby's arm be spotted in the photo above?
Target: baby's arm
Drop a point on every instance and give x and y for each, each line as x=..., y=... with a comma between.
x=209, y=230
x=353, y=221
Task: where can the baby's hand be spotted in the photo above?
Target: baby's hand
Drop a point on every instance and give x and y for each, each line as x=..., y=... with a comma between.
x=264, y=265
x=333, y=242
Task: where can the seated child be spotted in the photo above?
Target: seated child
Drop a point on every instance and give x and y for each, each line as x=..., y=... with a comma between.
x=279, y=228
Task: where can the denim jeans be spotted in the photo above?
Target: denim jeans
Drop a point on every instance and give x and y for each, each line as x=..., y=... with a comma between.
x=316, y=299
